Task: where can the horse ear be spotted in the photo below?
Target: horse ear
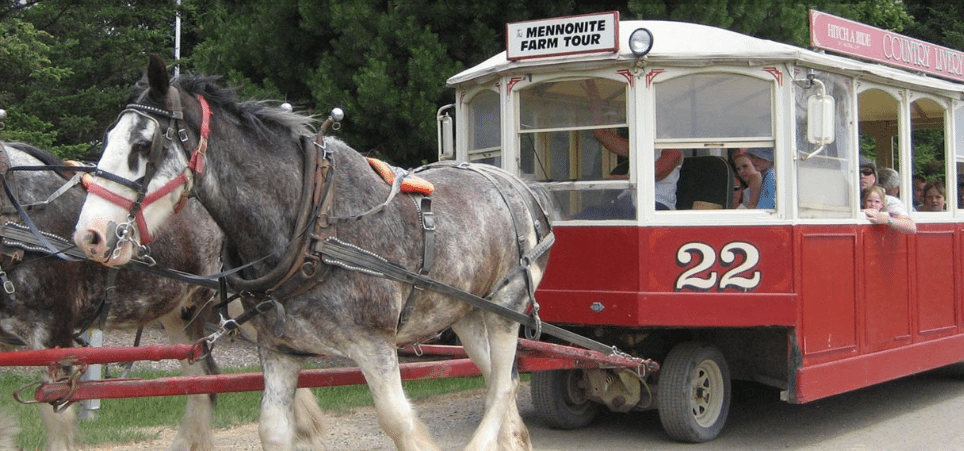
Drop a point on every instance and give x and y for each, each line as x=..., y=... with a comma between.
x=158, y=78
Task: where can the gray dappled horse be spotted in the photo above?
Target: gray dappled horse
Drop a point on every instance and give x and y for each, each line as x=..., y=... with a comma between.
x=54, y=298
x=252, y=168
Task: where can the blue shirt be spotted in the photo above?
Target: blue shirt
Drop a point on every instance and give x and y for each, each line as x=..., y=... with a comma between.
x=768, y=191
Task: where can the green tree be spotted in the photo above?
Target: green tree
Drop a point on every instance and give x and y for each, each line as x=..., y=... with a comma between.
x=385, y=62
x=778, y=20
x=78, y=73
x=25, y=61
x=938, y=22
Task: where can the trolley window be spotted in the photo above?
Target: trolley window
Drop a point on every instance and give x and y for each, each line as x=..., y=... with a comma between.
x=825, y=176
x=485, y=131
x=712, y=118
x=959, y=153
x=731, y=110
x=560, y=125
x=879, y=121
x=928, y=155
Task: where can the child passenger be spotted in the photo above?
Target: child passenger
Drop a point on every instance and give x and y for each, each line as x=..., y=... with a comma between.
x=751, y=178
x=874, y=204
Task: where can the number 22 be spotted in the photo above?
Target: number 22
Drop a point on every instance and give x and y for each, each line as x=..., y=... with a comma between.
x=699, y=277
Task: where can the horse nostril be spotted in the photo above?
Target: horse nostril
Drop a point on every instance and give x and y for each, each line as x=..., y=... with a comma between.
x=92, y=238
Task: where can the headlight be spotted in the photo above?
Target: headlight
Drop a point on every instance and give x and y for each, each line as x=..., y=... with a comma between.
x=641, y=42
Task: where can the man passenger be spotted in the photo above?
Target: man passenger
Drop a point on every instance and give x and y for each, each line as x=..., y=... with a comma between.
x=919, y=182
x=889, y=179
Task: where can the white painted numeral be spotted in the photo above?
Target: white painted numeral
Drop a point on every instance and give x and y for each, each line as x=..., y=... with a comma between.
x=734, y=278
x=741, y=277
x=690, y=279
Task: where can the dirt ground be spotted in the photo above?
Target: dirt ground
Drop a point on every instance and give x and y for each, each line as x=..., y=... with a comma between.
x=451, y=417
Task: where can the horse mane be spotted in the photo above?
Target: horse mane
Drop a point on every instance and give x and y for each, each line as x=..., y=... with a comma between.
x=262, y=117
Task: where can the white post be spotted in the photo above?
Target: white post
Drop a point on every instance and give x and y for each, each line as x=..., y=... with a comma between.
x=89, y=407
x=177, y=38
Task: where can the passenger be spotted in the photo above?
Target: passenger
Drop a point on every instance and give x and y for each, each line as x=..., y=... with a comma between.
x=890, y=180
x=934, y=197
x=960, y=195
x=750, y=178
x=868, y=178
x=873, y=198
x=762, y=159
x=739, y=188
x=668, y=165
x=873, y=201
x=668, y=161
x=919, y=183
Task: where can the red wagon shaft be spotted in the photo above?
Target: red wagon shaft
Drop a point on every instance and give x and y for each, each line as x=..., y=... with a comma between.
x=534, y=356
x=93, y=356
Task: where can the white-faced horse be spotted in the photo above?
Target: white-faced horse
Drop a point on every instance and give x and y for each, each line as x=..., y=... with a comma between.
x=285, y=201
x=52, y=299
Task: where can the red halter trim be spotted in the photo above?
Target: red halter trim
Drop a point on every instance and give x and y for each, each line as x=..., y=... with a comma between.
x=197, y=159
x=195, y=166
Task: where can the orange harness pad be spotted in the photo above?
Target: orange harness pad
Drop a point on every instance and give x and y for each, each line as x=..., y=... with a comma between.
x=410, y=183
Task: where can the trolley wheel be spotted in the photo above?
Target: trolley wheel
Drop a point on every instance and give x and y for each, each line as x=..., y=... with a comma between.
x=559, y=397
x=694, y=392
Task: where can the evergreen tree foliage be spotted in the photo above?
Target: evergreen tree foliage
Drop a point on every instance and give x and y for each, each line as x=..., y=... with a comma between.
x=78, y=68
x=69, y=64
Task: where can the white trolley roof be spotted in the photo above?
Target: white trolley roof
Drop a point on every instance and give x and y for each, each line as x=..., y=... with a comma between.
x=687, y=44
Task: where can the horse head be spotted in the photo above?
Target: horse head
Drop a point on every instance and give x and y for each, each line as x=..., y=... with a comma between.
x=145, y=173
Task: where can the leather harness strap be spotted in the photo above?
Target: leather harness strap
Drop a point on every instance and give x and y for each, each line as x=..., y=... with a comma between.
x=426, y=219
x=352, y=257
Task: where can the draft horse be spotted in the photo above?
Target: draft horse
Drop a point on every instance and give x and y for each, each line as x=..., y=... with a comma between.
x=51, y=299
x=284, y=200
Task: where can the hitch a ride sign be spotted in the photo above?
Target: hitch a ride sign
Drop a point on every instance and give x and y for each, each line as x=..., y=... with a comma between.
x=562, y=36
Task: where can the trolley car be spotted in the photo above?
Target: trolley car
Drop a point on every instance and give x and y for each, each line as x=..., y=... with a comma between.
x=805, y=294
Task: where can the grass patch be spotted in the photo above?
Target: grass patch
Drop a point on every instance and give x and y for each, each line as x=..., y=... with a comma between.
x=126, y=420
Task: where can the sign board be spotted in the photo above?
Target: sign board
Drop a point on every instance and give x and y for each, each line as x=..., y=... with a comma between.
x=845, y=36
x=563, y=36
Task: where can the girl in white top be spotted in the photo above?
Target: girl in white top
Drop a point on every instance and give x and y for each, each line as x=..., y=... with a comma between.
x=750, y=176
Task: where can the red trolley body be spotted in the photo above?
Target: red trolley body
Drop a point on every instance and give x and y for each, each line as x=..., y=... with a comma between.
x=802, y=289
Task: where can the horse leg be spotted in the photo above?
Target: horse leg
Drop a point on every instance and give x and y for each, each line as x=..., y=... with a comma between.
x=309, y=418
x=194, y=433
x=277, y=423
x=491, y=341
x=8, y=432
x=379, y=364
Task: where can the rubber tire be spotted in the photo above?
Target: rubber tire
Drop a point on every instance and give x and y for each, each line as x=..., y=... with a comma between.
x=557, y=399
x=688, y=367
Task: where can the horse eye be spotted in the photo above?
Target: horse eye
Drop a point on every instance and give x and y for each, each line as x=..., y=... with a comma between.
x=141, y=147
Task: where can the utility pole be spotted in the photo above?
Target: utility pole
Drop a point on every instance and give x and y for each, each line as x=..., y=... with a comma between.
x=177, y=39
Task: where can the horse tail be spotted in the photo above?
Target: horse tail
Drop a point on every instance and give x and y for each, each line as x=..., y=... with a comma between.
x=309, y=420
